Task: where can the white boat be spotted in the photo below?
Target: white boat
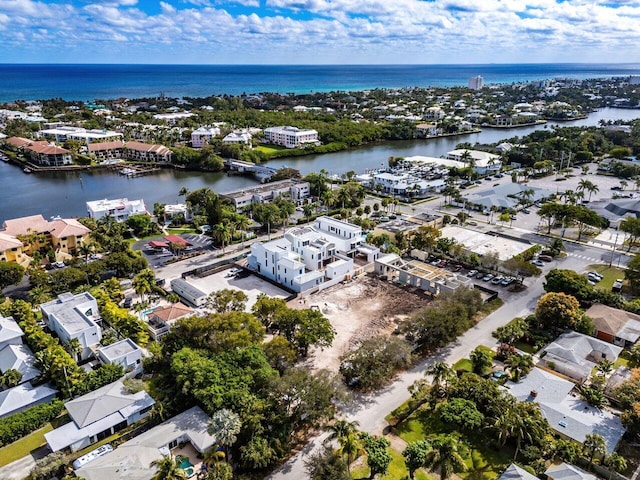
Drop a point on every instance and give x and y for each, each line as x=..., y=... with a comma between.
x=27, y=170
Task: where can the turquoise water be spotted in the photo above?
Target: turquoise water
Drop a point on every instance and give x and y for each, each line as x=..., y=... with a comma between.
x=185, y=463
x=88, y=82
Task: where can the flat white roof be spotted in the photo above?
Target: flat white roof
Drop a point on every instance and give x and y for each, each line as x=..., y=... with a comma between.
x=119, y=349
x=115, y=204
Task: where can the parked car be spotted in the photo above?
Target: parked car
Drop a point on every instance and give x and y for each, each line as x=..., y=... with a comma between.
x=472, y=273
x=525, y=211
x=472, y=223
x=545, y=258
x=538, y=263
x=442, y=263
x=127, y=302
x=59, y=264
x=487, y=277
x=456, y=268
x=480, y=275
x=507, y=281
x=594, y=278
x=513, y=217
x=497, y=280
x=596, y=274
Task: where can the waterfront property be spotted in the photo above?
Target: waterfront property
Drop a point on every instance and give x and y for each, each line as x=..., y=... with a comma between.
x=615, y=326
x=243, y=198
x=132, y=460
x=24, y=396
x=567, y=414
x=575, y=355
x=131, y=150
x=98, y=415
x=124, y=353
x=481, y=162
x=238, y=136
x=74, y=316
x=40, y=152
x=120, y=209
x=290, y=137
x=21, y=237
x=309, y=257
x=202, y=136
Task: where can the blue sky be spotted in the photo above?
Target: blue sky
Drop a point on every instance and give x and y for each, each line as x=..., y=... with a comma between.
x=319, y=31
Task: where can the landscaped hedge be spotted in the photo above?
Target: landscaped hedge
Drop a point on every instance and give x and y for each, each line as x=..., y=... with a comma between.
x=20, y=424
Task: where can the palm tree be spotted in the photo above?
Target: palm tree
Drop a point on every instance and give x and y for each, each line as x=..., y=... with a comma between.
x=143, y=282
x=242, y=222
x=616, y=463
x=440, y=372
x=225, y=426
x=85, y=251
x=519, y=365
x=343, y=196
x=167, y=469
x=346, y=434
x=445, y=455
x=526, y=424
x=222, y=233
x=593, y=446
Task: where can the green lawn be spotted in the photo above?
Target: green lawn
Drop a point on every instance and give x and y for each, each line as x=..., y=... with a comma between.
x=397, y=470
x=24, y=446
x=269, y=148
x=610, y=275
x=623, y=360
x=463, y=365
x=483, y=461
x=178, y=231
x=525, y=347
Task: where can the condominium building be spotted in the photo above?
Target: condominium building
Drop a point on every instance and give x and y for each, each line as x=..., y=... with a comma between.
x=244, y=197
x=132, y=150
x=476, y=83
x=40, y=152
x=62, y=133
x=290, y=137
x=203, y=136
x=238, y=136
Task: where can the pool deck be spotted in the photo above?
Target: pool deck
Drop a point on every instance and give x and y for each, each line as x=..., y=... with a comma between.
x=191, y=453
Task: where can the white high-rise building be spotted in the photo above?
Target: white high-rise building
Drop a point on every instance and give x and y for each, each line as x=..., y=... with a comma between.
x=475, y=83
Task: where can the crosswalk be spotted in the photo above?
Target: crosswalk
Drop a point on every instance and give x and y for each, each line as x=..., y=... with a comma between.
x=584, y=257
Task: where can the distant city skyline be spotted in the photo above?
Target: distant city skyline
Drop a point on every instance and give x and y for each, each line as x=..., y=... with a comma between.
x=319, y=31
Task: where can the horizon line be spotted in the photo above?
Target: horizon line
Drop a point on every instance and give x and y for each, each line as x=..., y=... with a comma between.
x=314, y=64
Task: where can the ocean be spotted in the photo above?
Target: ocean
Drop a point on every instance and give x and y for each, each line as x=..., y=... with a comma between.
x=91, y=81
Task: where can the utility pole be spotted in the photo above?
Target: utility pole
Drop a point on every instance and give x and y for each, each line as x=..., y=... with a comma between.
x=613, y=250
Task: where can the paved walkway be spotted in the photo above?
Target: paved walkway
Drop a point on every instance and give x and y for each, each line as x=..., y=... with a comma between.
x=19, y=469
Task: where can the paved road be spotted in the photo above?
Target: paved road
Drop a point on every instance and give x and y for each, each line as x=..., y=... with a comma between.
x=370, y=410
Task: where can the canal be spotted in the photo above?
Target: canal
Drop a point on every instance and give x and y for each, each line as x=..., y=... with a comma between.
x=65, y=193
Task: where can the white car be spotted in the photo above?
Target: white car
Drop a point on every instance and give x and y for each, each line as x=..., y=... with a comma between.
x=538, y=263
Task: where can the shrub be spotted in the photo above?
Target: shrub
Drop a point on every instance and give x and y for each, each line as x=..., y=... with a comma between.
x=20, y=424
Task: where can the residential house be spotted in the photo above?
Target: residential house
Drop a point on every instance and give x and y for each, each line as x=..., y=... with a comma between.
x=238, y=136
x=243, y=198
x=615, y=326
x=98, y=415
x=20, y=358
x=507, y=196
x=11, y=250
x=74, y=316
x=10, y=332
x=565, y=471
x=291, y=137
x=24, y=396
x=309, y=257
x=131, y=150
x=120, y=209
x=202, y=136
x=567, y=414
x=425, y=130
x=124, y=353
x=575, y=355
x=161, y=319
x=172, y=118
x=132, y=459
x=514, y=472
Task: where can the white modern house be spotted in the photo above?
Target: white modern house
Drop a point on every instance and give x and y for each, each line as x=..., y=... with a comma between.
x=74, y=316
x=203, y=135
x=308, y=257
x=120, y=209
x=482, y=162
x=124, y=353
x=98, y=415
x=290, y=137
x=238, y=136
x=62, y=133
x=132, y=460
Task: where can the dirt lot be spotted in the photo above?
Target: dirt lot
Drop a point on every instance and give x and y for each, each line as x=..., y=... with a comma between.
x=359, y=309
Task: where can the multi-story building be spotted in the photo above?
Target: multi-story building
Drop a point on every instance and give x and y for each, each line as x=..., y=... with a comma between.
x=124, y=353
x=107, y=150
x=203, y=136
x=62, y=133
x=40, y=152
x=132, y=150
x=482, y=162
x=290, y=137
x=74, y=316
x=244, y=197
x=120, y=209
x=476, y=83
x=21, y=236
x=238, y=136
x=308, y=257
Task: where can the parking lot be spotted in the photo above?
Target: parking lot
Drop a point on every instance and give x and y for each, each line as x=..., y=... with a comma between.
x=251, y=285
x=157, y=258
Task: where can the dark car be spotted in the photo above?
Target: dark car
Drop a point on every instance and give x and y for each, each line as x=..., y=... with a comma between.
x=127, y=302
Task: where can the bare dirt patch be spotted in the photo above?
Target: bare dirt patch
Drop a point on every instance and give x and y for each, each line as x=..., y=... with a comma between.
x=358, y=310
